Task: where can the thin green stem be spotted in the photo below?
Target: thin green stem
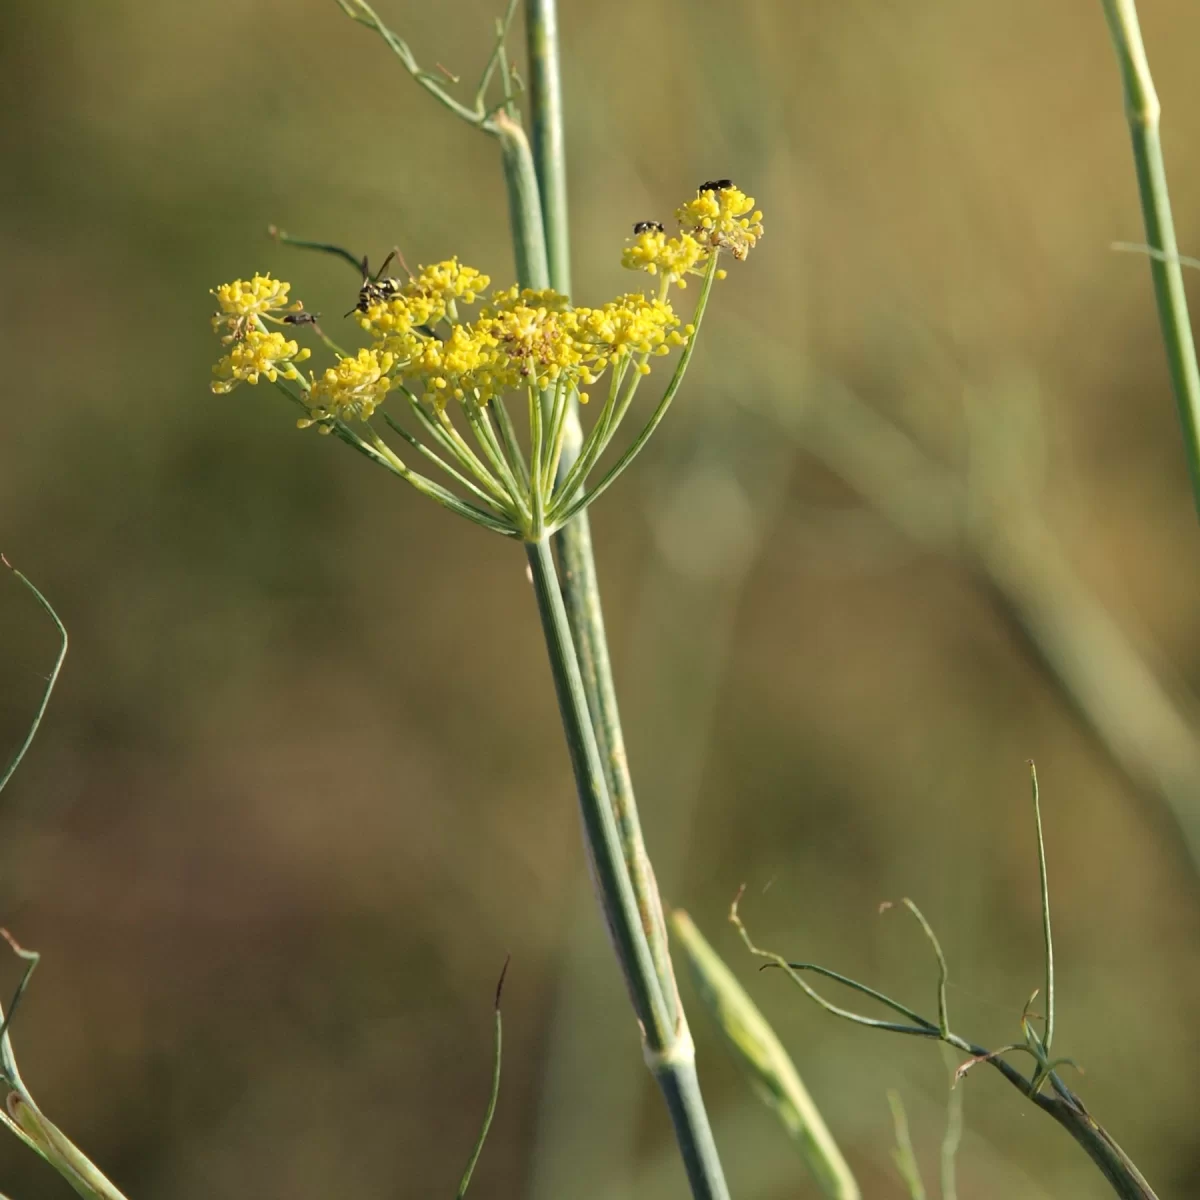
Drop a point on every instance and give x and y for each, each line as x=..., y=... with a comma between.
x=485, y=435
x=952, y=1138
x=943, y=971
x=364, y=14
x=537, y=496
x=468, y=457
x=512, y=447
x=493, y=1096
x=451, y=445
x=904, y=1155
x=375, y=447
x=602, y=433
x=8, y=1060
x=341, y=252
x=557, y=429
x=1045, y=897
x=661, y=411
x=502, y=26
x=1143, y=112
x=1065, y=1107
x=51, y=680
x=428, y=454
x=573, y=477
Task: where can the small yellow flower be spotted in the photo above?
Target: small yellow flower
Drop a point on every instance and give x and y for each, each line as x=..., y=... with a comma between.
x=241, y=301
x=675, y=257
x=257, y=353
x=354, y=388
x=449, y=280
x=722, y=217
x=630, y=324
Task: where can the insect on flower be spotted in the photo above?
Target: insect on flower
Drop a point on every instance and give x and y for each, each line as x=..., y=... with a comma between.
x=715, y=185
x=648, y=227
x=376, y=288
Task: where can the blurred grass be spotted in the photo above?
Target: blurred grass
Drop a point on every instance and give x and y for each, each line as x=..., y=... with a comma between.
x=283, y=818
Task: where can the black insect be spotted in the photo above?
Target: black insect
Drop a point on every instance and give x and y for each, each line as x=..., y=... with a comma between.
x=715, y=185
x=648, y=227
x=376, y=288
x=300, y=318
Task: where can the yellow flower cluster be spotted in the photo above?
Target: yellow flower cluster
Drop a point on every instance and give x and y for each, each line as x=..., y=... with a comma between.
x=355, y=387
x=519, y=339
x=242, y=301
x=257, y=353
x=424, y=300
x=721, y=217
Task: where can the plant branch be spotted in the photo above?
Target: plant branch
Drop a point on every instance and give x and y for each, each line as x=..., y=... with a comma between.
x=1064, y=1106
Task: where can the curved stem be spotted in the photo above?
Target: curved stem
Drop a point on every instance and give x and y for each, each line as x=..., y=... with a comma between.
x=51, y=680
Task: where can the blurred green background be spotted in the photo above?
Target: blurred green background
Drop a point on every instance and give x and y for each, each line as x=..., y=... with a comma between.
x=920, y=514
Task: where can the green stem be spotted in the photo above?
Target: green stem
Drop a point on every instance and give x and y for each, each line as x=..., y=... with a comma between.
x=1143, y=112
x=537, y=497
x=573, y=478
x=661, y=411
x=51, y=679
x=669, y=1051
x=524, y=205
x=374, y=447
x=581, y=597
x=549, y=152
x=425, y=452
x=511, y=446
x=581, y=587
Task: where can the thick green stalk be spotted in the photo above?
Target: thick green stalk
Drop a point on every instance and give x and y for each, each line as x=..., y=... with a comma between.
x=670, y=1053
x=524, y=204
x=667, y=1041
x=573, y=544
x=549, y=142
x=1143, y=111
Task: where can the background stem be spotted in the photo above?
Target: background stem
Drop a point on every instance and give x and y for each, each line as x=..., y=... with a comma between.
x=1143, y=111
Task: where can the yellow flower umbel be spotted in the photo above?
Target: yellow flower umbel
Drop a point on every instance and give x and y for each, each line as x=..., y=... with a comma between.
x=354, y=388
x=674, y=258
x=257, y=353
x=245, y=304
x=446, y=367
x=721, y=217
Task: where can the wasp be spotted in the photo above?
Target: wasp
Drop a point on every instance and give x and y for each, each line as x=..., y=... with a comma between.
x=714, y=185
x=376, y=288
x=648, y=227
